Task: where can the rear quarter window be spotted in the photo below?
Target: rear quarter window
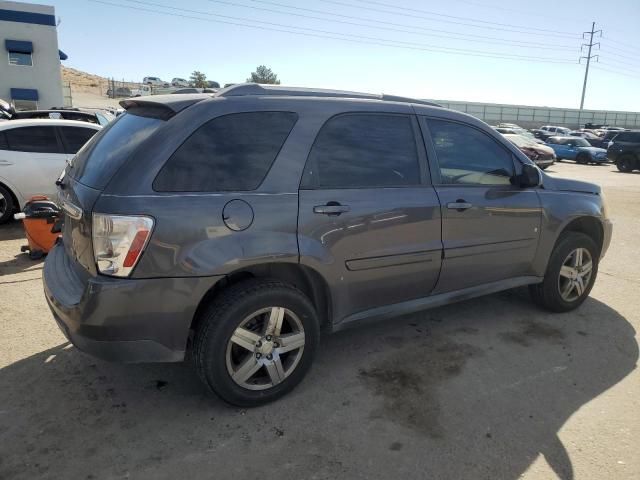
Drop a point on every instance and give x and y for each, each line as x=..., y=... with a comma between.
x=107, y=151
x=229, y=153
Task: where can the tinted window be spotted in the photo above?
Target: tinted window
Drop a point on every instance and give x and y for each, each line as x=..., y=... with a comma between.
x=76, y=137
x=21, y=59
x=363, y=150
x=469, y=156
x=95, y=164
x=229, y=153
x=628, y=137
x=3, y=142
x=33, y=139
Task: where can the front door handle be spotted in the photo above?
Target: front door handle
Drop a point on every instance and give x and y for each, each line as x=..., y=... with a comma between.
x=331, y=208
x=459, y=205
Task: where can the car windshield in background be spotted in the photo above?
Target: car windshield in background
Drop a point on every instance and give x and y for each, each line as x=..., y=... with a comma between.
x=100, y=158
x=520, y=141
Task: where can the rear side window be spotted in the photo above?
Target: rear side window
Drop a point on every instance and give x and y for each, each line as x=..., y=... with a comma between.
x=362, y=150
x=33, y=139
x=75, y=137
x=229, y=153
x=109, y=149
x=628, y=137
x=3, y=142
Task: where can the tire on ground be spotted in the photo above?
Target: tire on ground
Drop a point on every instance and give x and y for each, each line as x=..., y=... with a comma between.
x=221, y=317
x=547, y=294
x=9, y=206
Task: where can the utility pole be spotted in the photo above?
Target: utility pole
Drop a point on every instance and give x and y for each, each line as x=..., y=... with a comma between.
x=590, y=45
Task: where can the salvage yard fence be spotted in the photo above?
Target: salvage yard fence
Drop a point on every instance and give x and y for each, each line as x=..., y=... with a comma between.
x=531, y=117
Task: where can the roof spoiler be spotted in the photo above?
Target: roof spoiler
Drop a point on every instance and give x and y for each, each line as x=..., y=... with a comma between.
x=162, y=107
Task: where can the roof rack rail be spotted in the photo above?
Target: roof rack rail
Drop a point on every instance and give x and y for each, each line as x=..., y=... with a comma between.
x=243, y=89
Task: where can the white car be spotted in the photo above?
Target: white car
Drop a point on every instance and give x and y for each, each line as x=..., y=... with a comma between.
x=179, y=82
x=33, y=153
x=155, y=81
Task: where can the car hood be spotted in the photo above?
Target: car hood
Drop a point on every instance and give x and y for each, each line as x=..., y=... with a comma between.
x=593, y=150
x=568, y=185
x=542, y=148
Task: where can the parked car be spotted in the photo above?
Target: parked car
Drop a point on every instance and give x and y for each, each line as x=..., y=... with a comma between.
x=155, y=81
x=119, y=92
x=234, y=231
x=509, y=125
x=142, y=91
x=99, y=117
x=593, y=139
x=518, y=131
x=32, y=155
x=542, y=155
x=212, y=84
x=625, y=151
x=180, y=82
x=578, y=149
x=555, y=130
x=542, y=134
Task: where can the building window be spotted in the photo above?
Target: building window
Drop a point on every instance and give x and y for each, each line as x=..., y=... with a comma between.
x=22, y=105
x=20, y=59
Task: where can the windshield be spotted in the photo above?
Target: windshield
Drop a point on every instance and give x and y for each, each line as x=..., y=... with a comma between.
x=581, y=142
x=100, y=158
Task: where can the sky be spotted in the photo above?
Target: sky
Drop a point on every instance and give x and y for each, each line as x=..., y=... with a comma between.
x=519, y=51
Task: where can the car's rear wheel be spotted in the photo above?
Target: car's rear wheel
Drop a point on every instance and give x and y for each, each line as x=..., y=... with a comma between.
x=7, y=205
x=626, y=163
x=256, y=341
x=570, y=275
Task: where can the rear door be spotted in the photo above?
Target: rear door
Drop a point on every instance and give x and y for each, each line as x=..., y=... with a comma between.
x=368, y=220
x=34, y=159
x=490, y=228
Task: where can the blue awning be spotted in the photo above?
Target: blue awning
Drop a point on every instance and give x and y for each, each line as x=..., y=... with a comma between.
x=63, y=56
x=20, y=46
x=24, y=94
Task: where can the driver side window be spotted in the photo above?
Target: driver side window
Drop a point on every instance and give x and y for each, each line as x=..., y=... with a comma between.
x=467, y=156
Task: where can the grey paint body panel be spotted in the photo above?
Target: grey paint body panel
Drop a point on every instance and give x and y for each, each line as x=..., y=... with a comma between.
x=396, y=250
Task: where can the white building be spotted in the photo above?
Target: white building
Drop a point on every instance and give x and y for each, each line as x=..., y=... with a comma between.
x=30, y=74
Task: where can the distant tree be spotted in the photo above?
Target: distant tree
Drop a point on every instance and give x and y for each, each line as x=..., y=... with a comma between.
x=263, y=74
x=198, y=79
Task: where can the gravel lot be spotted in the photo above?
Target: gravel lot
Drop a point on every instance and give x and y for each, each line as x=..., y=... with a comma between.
x=491, y=388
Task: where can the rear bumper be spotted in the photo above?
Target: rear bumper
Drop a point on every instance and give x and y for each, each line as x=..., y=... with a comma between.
x=127, y=320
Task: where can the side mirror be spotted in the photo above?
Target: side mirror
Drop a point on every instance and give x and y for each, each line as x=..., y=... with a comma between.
x=529, y=177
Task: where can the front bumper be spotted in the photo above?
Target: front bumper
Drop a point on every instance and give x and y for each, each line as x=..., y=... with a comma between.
x=127, y=320
x=545, y=162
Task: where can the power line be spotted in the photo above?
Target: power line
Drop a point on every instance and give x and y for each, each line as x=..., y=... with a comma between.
x=488, y=25
x=328, y=34
x=458, y=36
x=622, y=46
x=615, y=72
x=636, y=58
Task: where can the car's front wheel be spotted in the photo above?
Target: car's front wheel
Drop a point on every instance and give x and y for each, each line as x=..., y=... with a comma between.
x=582, y=158
x=570, y=275
x=256, y=341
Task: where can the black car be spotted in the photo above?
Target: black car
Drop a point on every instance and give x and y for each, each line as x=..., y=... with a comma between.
x=625, y=151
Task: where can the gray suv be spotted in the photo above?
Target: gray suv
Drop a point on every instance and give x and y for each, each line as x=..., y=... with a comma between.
x=233, y=228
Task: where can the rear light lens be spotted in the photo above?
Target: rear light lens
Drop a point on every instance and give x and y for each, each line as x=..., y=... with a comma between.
x=118, y=242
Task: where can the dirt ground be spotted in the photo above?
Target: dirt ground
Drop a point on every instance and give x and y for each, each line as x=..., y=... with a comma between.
x=491, y=388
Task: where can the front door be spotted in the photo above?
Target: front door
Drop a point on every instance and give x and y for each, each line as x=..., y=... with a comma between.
x=368, y=222
x=490, y=228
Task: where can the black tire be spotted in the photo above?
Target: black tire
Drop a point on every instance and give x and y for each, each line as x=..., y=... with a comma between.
x=224, y=314
x=582, y=159
x=7, y=205
x=626, y=163
x=547, y=294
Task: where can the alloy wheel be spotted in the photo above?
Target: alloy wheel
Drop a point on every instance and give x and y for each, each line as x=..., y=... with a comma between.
x=575, y=274
x=265, y=348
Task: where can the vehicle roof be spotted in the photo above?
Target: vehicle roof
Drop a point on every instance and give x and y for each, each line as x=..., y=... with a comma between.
x=31, y=122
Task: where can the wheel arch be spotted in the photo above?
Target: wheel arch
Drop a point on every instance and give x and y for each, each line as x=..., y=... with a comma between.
x=589, y=225
x=12, y=192
x=309, y=281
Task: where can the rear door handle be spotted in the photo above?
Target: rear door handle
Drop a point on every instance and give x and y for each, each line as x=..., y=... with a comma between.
x=331, y=208
x=459, y=205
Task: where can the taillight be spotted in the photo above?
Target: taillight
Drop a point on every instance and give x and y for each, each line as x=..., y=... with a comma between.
x=118, y=242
